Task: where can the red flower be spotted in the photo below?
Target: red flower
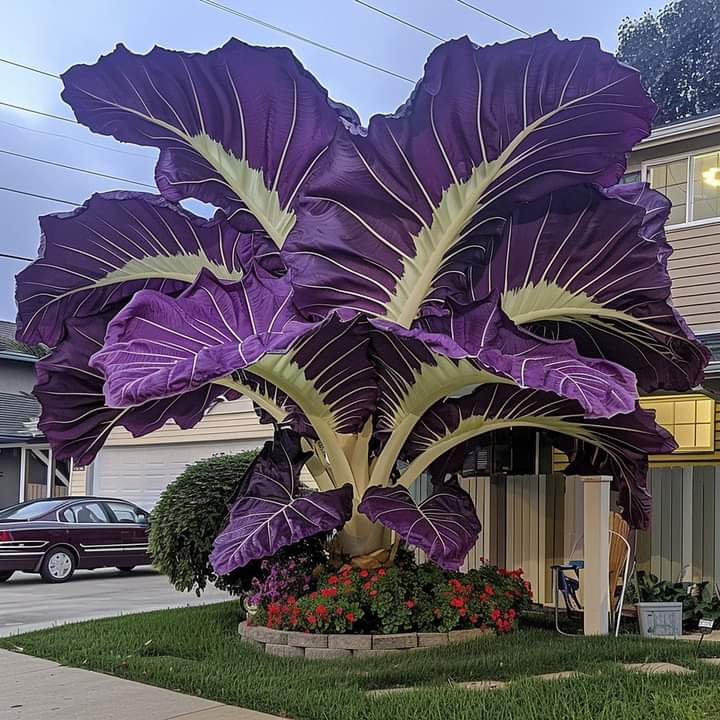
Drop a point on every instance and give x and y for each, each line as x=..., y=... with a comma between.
x=511, y=613
x=483, y=597
x=350, y=617
x=473, y=619
x=489, y=589
x=291, y=600
x=274, y=608
x=339, y=611
x=366, y=586
x=457, y=602
x=372, y=593
x=381, y=572
x=347, y=581
x=312, y=595
x=495, y=614
x=462, y=612
x=333, y=579
x=410, y=603
x=311, y=619
x=364, y=573
x=328, y=592
x=321, y=610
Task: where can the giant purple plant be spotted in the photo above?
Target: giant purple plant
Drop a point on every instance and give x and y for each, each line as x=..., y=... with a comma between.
x=383, y=295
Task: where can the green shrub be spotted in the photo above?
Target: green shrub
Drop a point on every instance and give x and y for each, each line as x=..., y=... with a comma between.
x=189, y=515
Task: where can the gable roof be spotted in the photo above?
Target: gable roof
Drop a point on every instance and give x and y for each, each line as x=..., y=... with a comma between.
x=19, y=417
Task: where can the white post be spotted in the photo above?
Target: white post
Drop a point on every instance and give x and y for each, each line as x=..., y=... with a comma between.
x=596, y=512
x=23, y=473
x=50, y=472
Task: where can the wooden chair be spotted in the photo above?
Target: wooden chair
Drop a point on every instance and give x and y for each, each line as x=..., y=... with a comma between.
x=620, y=554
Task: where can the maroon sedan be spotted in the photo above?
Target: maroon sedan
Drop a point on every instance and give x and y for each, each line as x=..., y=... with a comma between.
x=57, y=535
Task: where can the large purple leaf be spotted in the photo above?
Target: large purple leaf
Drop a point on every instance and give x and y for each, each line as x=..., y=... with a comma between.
x=620, y=444
x=75, y=418
x=444, y=525
x=111, y=247
x=160, y=347
x=239, y=127
x=592, y=266
x=268, y=513
x=485, y=129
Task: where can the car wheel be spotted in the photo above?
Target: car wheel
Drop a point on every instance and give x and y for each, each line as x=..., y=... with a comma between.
x=58, y=565
x=6, y=575
x=126, y=568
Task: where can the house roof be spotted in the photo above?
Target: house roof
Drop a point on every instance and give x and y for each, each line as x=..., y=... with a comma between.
x=696, y=126
x=10, y=348
x=19, y=418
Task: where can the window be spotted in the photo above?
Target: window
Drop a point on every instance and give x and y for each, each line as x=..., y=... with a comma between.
x=29, y=510
x=510, y=451
x=90, y=513
x=706, y=186
x=692, y=184
x=690, y=419
x=125, y=513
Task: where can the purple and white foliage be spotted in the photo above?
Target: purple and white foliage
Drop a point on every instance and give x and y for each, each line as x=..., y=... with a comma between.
x=270, y=513
x=444, y=525
x=384, y=296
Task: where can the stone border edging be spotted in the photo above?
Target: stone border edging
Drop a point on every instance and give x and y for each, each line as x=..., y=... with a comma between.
x=325, y=647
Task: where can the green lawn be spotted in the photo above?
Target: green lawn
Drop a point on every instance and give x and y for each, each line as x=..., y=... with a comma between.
x=196, y=650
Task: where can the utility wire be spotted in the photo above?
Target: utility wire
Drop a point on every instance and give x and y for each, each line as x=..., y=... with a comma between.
x=15, y=257
x=301, y=38
x=77, y=140
x=39, y=112
x=42, y=197
x=75, y=169
x=493, y=17
x=400, y=20
x=29, y=67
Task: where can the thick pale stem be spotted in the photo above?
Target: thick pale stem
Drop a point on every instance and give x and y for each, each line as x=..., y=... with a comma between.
x=361, y=536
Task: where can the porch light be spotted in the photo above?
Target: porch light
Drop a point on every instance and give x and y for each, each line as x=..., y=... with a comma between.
x=712, y=177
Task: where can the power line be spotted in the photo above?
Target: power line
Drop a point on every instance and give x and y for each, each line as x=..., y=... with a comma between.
x=29, y=67
x=301, y=38
x=75, y=169
x=15, y=257
x=72, y=139
x=400, y=20
x=39, y=112
x=42, y=197
x=494, y=17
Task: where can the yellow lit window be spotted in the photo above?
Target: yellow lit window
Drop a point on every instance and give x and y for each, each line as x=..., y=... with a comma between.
x=690, y=419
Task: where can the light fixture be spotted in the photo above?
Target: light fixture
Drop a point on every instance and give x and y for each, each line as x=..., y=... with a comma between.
x=712, y=177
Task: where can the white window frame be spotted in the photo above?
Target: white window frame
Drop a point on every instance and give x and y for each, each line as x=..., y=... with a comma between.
x=690, y=157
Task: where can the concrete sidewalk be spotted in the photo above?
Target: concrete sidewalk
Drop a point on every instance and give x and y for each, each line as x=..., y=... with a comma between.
x=35, y=689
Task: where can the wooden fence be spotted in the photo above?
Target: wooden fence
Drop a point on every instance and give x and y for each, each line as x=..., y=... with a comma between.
x=535, y=521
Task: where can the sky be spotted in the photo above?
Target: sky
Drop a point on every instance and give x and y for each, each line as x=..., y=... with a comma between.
x=52, y=36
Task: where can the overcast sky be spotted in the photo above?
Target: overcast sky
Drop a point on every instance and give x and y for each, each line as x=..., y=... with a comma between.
x=53, y=35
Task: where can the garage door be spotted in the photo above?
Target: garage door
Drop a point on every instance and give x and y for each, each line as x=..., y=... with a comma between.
x=141, y=473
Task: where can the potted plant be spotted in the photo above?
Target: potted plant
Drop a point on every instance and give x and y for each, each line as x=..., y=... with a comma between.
x=663, y=606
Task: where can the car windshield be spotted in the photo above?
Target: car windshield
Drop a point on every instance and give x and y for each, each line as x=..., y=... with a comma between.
x=29, y=510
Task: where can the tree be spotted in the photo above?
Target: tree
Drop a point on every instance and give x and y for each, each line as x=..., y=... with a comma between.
x=383, y=295
x=677, y=53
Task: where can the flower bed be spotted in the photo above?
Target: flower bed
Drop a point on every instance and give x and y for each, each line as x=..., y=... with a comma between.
x=355, y=610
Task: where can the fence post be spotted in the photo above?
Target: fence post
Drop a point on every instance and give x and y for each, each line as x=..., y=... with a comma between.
x=596, y=515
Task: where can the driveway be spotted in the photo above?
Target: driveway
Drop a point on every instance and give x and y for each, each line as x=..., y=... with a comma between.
x=28, y=603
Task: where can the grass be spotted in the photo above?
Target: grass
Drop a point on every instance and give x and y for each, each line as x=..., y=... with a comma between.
x=197, y=651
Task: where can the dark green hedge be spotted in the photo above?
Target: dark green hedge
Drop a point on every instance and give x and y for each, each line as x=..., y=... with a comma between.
x=187, y=518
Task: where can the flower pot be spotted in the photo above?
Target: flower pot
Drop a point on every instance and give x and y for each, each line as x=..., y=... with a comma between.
x=660, y=619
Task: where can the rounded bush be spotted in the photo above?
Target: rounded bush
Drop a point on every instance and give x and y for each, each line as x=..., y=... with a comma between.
x=189, y=515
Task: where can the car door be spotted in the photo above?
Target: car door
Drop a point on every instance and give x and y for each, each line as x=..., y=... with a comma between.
x=134, y=531
x=97, y=540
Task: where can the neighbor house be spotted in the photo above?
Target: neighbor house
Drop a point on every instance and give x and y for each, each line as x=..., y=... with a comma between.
x=27, y=467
